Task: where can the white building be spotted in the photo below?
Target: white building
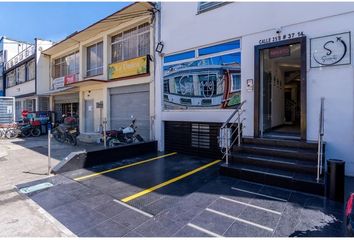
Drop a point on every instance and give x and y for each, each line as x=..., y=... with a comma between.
x=105, y=73
x=26, y=76
x=280, y=58
x=8, y=49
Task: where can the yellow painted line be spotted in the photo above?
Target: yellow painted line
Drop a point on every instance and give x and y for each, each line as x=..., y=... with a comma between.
x=149, y=190
x=123, y=167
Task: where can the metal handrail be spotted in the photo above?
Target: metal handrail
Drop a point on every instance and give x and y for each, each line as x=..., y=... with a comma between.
x=320, y=141
x=229, y=134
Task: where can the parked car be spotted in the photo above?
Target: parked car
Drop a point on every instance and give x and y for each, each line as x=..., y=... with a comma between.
x=349, y=213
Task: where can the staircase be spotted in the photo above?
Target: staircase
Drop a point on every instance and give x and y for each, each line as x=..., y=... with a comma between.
x=289, y=164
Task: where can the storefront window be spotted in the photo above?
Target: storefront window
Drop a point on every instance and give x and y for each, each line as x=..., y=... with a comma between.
x=29, y=105
x=132, y=43
x=95, y=59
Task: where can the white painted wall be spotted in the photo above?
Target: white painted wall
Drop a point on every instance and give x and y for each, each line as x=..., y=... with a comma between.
x=21, y=89
x=255, y=21
x=42, y=67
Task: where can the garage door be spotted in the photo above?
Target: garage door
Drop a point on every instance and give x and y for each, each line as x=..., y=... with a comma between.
x=130, y=101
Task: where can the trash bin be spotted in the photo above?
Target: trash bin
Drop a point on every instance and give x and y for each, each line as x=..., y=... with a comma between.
x=335, y=180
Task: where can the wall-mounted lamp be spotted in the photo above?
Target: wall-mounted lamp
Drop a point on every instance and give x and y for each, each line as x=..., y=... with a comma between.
x=159, y=47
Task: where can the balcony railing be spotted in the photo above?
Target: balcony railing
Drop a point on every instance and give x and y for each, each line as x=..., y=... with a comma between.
x=20, y=57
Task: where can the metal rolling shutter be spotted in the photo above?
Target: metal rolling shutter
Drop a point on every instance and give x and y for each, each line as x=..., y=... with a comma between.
x=193, y=138
x=128, y=101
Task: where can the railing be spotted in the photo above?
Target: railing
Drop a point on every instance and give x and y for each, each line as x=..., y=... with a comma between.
x=320, y=141
x=29, y=51
x=227, y=137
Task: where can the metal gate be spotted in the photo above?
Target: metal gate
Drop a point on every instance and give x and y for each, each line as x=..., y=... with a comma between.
x=7, y=109
x=131, y=101
x=194, y=138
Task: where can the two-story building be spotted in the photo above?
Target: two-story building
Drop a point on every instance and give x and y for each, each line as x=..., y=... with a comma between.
x=280, y=59
x=105, y=73
x=9, y=48
x=26, y=77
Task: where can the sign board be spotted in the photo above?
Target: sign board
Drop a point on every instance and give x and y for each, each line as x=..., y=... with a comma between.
x=279, y=52
x=99, y=104
x=132, y=67
x=7, y=110
x=58, y=83
x=331, y=50
x=68, y=79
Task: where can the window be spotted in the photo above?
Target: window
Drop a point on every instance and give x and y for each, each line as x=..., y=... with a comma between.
x=132, y=43
x=21, y=74
x=179, y=56
x=208, y=85
x=31, y=71
x=11, y=79
x=219, y=48
x=206, y=6
x=29, y=105
x=66, y=65
x=236, y=82
x=95, y=59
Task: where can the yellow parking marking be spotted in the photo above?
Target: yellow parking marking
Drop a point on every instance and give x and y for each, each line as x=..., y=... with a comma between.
x=123, y=167
x=149, y=190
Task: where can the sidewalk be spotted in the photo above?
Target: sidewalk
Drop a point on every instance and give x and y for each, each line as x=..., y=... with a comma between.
x=25, y=160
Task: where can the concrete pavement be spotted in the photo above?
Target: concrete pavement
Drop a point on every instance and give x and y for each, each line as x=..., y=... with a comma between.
x=21, y=161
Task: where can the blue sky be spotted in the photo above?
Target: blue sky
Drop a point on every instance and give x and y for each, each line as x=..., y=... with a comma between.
x=51, y=20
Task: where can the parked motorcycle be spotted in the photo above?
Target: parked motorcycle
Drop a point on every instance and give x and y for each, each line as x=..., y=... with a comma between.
x=67, y=131
x=27, y=129
x=124, y=135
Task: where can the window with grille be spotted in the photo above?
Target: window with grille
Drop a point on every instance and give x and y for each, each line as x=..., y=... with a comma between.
x=95, y=59
x=132, y=43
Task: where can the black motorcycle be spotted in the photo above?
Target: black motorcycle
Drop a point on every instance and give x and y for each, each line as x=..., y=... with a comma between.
x=67, y=131
x=124, y=135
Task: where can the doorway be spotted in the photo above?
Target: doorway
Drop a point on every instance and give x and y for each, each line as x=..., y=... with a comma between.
x=280, y=90
x=89, y=116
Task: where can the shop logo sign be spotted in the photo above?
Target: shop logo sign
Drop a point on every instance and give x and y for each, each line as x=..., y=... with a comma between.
x=330, y=50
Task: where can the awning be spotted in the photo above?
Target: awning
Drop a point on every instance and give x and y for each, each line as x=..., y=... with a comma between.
x=63, y=90
x=137, y=10
x=86, y=82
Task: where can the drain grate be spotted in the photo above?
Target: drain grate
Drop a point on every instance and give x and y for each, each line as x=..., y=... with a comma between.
x=35, y=188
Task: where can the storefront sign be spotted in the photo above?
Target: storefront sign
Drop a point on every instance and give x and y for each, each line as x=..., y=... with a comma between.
x=330, y=50
x=58, y=83
x=70, y=79
x=128, y=68
x=280, y=37
x=279, y=52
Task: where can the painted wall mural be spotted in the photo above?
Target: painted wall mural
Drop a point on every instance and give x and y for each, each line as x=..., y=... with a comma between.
x=213, y=82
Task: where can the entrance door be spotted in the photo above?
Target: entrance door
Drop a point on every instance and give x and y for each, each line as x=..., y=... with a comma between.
x=89, y=116
x=280, y=89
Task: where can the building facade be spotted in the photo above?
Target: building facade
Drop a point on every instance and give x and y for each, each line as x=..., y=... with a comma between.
x=104, y=73
x=280, y=59
x=8, y=49
x=25, y=78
